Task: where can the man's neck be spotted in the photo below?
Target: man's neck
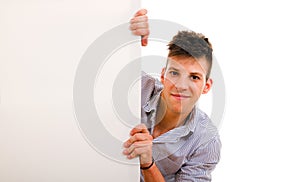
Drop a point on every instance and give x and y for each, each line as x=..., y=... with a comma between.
x=167, y=120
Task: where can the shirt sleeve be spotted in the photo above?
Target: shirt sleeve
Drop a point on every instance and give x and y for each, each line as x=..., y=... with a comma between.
x=200, y=165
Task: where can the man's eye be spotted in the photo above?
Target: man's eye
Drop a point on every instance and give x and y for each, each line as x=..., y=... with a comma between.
x=174, y=73
x=195, y=77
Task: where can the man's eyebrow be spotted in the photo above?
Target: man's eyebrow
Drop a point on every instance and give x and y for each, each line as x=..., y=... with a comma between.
x=172, y=68
x=197, y=74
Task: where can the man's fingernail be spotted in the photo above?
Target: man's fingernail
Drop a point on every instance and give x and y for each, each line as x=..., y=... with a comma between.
x=144, y=42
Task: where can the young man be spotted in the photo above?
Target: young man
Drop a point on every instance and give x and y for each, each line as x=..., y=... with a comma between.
x=176, y=141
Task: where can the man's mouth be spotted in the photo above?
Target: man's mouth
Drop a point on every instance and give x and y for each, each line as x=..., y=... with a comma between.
x=179, y=96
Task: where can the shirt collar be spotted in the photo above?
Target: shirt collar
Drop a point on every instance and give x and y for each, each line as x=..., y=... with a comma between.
x=168, y=143
x=177, y=133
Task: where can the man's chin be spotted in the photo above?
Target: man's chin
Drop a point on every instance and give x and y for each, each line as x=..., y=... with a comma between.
x=181, y=111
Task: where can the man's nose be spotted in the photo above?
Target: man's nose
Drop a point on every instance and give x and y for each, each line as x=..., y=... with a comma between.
x=181, y=84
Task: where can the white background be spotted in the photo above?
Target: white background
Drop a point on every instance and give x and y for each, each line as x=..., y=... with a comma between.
x=256, y=45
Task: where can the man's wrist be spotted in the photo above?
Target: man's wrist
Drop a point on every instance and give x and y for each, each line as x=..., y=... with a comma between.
x=147, y=166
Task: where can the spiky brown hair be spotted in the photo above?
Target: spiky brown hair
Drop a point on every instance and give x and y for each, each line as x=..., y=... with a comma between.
x=191, y=44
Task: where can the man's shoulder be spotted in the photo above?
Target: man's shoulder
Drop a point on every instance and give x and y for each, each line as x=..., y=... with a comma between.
x=205, y=129
x=149, y=81
x=150, y=86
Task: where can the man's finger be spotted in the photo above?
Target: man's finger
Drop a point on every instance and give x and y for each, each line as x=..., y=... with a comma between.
x=137, y=137
x=140, y=12
x=137, y=152
x=138, y=148
x=139, y=144
x=139, y=25
x=141, y=128
x=144, y=40
x=141, y=32
x=139, y=19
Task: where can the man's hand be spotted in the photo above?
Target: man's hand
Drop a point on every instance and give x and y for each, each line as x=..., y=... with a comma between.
x=139, y=145
x=139, y=25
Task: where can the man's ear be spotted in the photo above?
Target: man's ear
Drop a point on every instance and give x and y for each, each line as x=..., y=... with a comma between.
x=162, y=75
x=208, y=85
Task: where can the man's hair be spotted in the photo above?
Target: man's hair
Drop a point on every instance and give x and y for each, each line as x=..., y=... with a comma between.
x=191, y=44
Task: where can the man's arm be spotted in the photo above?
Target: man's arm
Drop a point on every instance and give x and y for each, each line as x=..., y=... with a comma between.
x=153, y=174
x=201, y=163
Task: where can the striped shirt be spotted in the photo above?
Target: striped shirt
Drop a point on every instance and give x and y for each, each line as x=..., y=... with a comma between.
x=186, y=153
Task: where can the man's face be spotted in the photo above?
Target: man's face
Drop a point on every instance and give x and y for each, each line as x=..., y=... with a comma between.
x=184, y=80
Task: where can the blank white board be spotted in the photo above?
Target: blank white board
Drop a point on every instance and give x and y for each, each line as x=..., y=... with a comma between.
x=42, y=46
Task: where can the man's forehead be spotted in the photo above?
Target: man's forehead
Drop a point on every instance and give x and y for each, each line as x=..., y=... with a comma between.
x=188, y=64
